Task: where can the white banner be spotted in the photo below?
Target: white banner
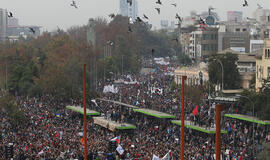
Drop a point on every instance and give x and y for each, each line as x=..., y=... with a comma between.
x=155, y=157
x=120, y=150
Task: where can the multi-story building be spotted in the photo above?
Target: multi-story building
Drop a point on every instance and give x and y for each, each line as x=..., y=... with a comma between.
x=234, y=16
x=246, y=65
x=3, y=25
x=128, y=10
x=234, y=36
x=256, y=45
x=262, y=15
x=263, y=65
x=15, y=30
x=203, y=43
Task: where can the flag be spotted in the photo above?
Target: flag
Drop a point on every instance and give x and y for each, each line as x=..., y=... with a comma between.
x=117, y=139
x=94, y=101
x=41, y=152
x=120, y=150
x=195, y=111
x=57, y=135
x=155, y=157
x=167, y=156
x=82, y=141
x=57, y=114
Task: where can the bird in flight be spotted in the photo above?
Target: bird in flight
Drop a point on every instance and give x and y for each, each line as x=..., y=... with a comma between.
x=144, y=16
x=10, y=14
x=178, y=17
x=158, y=10
x=74, y=4
x=245, y=3
x=159, y=2
x=174, y=4
x=139, y=19
x=32, y=30
x=130, y=2
x=129, y=29
x=201, y=21
x=112, y=15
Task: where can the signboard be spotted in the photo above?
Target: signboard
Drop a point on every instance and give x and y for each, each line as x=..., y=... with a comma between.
x=210, y=20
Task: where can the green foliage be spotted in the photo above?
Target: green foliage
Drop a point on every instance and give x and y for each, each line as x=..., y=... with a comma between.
x=231, y=75
x=22, y=77
x=52, y=64
x=265, y=154
x=184, y=59
x=173, y=86
x=10, y=108
x=261, y=102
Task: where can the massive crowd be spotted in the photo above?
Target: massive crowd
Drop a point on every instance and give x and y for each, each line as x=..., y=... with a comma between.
x=52, y=132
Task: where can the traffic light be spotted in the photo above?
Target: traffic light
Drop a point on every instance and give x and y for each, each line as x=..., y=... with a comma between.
x=9, y=150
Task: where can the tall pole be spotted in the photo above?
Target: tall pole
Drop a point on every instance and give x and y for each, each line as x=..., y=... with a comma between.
x=219, y=108
x=6, y=77
x=183, y=118
x=84, y=113
x=122, y=66
x=222, y=71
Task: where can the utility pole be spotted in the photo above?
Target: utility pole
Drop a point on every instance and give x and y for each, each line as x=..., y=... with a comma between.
x=122, y=66
x=84, y=115
x=183, y=118
x=6, y=77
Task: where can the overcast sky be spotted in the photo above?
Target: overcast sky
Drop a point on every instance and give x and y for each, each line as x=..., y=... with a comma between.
x=52, y=13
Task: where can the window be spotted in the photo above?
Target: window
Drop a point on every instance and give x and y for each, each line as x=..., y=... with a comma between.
x=268, y=73
x=244, y=29
x=237, y=29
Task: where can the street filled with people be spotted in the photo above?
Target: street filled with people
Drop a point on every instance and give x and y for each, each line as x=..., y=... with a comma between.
x=53, y=132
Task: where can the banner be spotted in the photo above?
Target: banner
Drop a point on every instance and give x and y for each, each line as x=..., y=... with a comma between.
x=155, y=157
x=120, y=150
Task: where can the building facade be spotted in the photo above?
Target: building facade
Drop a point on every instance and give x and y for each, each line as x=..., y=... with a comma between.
x=246, y=65
x=256, y=45
x=203, y=43
x=128, y=10
x=262, y=15
x=195, y=76
x=3, y=25
x=263, y=65
x=234, y=16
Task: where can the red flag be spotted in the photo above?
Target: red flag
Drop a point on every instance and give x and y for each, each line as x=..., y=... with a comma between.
x=57, y=134
x=195, y=111
x=82, y=142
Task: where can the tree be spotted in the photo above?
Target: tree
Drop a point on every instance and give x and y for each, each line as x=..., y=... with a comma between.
x=261, y=102
x=231, y=76
x=9, y=106
x=184, y=59
x=265, y=154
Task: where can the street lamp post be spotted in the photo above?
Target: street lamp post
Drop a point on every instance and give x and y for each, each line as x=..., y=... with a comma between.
x=222, y=70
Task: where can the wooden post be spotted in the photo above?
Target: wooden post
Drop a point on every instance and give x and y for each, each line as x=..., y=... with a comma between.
x=84, y=113
x=183, y=118
x=219, y=108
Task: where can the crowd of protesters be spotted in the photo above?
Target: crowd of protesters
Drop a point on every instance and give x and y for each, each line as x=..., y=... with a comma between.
x=52, y=132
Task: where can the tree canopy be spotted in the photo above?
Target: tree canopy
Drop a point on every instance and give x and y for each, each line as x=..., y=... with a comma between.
x=231, y=76
x=52, y=63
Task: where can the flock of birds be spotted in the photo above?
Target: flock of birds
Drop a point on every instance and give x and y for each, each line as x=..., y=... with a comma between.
x=201, y=21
